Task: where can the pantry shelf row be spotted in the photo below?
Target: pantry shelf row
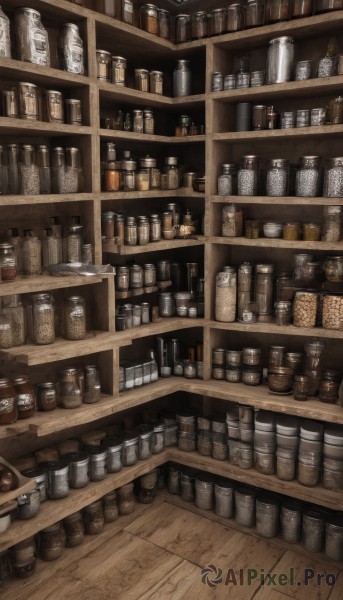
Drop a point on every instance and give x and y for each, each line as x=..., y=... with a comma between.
x=271, y=200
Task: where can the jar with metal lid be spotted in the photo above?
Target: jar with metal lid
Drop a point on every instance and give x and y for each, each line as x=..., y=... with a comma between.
x=307, y=181
x=119, y=70
x=31, y=38
x=166, y=304
x=155, y=82
x=135, y=277
x=254, y=13
x=73, y=111
x=93, y=518
x=130, y=449
x=142, y=80
x=122, y=279
x=280, y=60
x=277, y=10
x=245, y=507
x=92, y=387
x=305, y=308
x=114, y=448
x=204, y=491
x=32, y=248
x=5, y=44
x=130, y=232
x=29, y=183
x=329, y=388
x=311, y=232
x=158, y=437
x=309, y=468
x=145, y=441
x=199, y=25
x=230, y=82
x=73, y=173
x=182, y=78
x=234, y=17
x=333, y=180
x=28, y=504
x=149, y=275
x=112, y=176
x=129, y=167
x=182, y=28
x=301, y=8
x=25, y=397
x=252, y=356
x=78, y=469
x=74, y=318
x=232, y=221
x=126, y=499
x=287, y=120
x=247, y=176
x=28, y=101
x=74, y=529
x=332, y=224
x=103, y=65
x=333, y=268
x=148, y=18
x=318, y=116
x=41, y=319
x=172, y=171
x=267, y=516
x=226, y=296
x=137, y=121
x=8, y=268
x=148, y=122
x=301, y=387
x=70, y=394
x=57, y=480
x=163, y=18
x=46, y=396
x=227, y=181
x=97, y=465
x=264, y=289
x=283, y=312
x=276, y=356
x=242, y=79
x=70, y=49
x=216, y=21
x=224, y=495
x=277, y=177
x=303, y=118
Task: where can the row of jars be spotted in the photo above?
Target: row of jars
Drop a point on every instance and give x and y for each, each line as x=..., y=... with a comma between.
x=296, y=522
x=134, y=374
x=20, y=560
x=30, y=41
x=30, y=255
x=142, y=230
x=41, y=320
x=124, y=174
x=32, y=170
x=279, y=178
x=138, y=121
x=20, y=398
x=180, y=275
x=260, y=116
x=27, y=101
x=235, y=225
x=169, y=356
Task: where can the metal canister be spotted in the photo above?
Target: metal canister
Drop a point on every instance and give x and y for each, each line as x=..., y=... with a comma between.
x=78, y=469
x=70, y=49
x=119, y=70
x=103, y=65
x=5, y=40
x=229, y=82
x=182, y=79
x=53, y=109
x=28, y=101
x=303, y=70
x=10, y=106
x=280, y=60
x=57, y=480
x=73, y=111
x=217, y=82
x=32, y=42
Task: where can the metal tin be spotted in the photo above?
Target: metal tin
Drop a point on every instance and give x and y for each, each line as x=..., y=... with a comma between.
x=78, y=469
x=39, y=476
x=57, y=480
x=114, y=459
x=28, y=504
x=182, y=79
x=217, y=82
x=32, y=42
x=54, y=112
x=5, y=40
x=280, y=60
x=28, y=101
x=130, y=449
x=70, y=49
x=97, y=465
x=73, y=111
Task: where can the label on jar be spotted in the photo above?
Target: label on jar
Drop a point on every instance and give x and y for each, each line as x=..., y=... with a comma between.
x=41, y=47
x=128, y=7
x=7, y=405
x=25, y=402
x=5, y=42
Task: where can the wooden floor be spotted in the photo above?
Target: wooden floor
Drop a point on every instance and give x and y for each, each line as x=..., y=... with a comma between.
x=158, y=553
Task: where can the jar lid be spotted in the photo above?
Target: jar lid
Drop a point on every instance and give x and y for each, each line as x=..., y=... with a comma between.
x=129, y=165
x=57, y=465
x=265, y=421
x=287, y=425
x=103, y=52
x=251, y=351
x=333, y=435
x=267, y=500
x=130, y=438
x=112, y=444
x=141, y=72
x=279, y=162
x=311, y=430
x=171, y=161
x=76, y=458
x=282, y=40
x=144, y=430
x=336, y=162
x=261, y=268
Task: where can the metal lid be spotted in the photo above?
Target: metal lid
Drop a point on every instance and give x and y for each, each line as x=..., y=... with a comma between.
x=119, y=58
x=287, y=425
x=128, y=165
x=278, y=162
x=76, y=458
x=112, y=444
x=171, y=160
x=311, y=430
x=333, y=435
x=147, y=162
x=141, y=71
x=282, y=40
x=264, y=268
x=130, y=438
x=265, y=421
x=103, y=52
x=47, y=385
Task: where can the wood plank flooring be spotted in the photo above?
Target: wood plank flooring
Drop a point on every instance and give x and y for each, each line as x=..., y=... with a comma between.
x=158, y=553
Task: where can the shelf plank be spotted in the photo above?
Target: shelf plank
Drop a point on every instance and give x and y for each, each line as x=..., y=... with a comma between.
x=277, y=243
x=144, y=137
x=52, y=511
x=316, y=495
x=322, y=131
x=112, y=92
x=160, y=285
x=273, y=329
x=271, y=200
x=44, y=199
x=181, y=192
x=12, y=69
x=26, y=285
x=111, y=248
x=10, y=125
x=291, y=89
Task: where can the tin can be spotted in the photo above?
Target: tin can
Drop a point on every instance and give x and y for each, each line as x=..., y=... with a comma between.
x=53, y=107
x=32, y=42
x=5, y=40
x=73, y=111
x=10, y=104
x=70, y=49
x=217, y=82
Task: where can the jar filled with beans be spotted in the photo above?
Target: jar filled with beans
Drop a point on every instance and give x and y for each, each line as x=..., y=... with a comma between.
x=305, y=309
x=74, y=318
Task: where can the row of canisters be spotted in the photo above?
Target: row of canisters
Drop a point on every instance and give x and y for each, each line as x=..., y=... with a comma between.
x=144, y=121
x=26, y=39
x=181, y=276
x=317, y=529
x=278, y=177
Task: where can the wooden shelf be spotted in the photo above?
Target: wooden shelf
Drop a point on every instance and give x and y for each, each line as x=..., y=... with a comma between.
x=273, y=329
x=44, y=199
x=26, y=285
x=12, y=69
x=144, y=137
x=110, y=248
x=160, y=327
x=160, y=194
x=291, y=89
x=112, y=92
x=52, y=511
x=160, y=286
x=281, y=200
x=278, y=243
x=280, y=134
x=30, y=354
x=316, y=495
x=10, y=125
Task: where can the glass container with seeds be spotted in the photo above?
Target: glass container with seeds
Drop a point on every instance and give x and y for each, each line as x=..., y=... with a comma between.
x=69, y=389
x=119, y=70
x=41, y=319
x=13, y=308
x=74, y=318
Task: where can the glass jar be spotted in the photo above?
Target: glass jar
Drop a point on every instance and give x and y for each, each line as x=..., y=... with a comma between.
x=122, y=279
x=204, y=491
x=8, y=404
x=267, y=516
x=31, y=38
x=6, y=334
x=51, y=542
x=329, y=387
x=336, y=111
x=226, y=294
x=217, y=21
x=285, y=463
x=129, y=168
x=248, y=176
x=93, y=518
x=313, y=530
x=70, y=392
x=74, y=318
x=103, y=65
x=41, y=319
x=245, y=282
x=307, y=183
x=57, y=480
x=309, y=468
x=333, y=268
x=234, y=17
x=119, y=70
x=227, y=181
x=277, y=177
x=130, y=232
x=148, y=18
x=305, y=308
x=182, y=28
x=5, y=45
x=46, y=396
x=12, y=307
x=148, y=122
x=277, y=10
x=25, y=397
x=8, y=269
x=126, y=499
x=156, y=82
x=254, y=13
x=163, y=17
x=182, y=78
x=32, y=254
x=245, y=511
x=28, y=101
x=332, y=224
x=142, y=80
x=280, y=60
x=199, y=25
x=74, y=530
x=333, y=180
x=311, y=232
x=29, y=183
x=301, y=8
x=232, y=221
x=264, y=289
x=135, y=277
x=173, y=172
x=92, y=387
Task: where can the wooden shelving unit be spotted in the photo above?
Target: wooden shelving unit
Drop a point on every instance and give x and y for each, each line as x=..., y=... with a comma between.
x=219, y=145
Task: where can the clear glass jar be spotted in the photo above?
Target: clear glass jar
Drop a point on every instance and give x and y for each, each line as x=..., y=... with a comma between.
x=333, y=268
x=217, y=21
x=8, y=268
x=142, y=180
x=173, y=172
x=143, y=231
x=264, y=289
x=305, y=308
x=28, y=101
x=277, y=10
x=74, y=318
x=182, y=28
x=277, y=177
x=248, y=176
x=156, y=82
x=148, y=18
x=103, y=65
x=119, y=70
x=332, y=223
x=148, y=122
x=69, y=388
x=130, y=232
x=41, y=319
x=136, y=277
x=32, y=254
x=29, y=182
x=6, y=335
x=199, y=25
x=155, y=228
x=333, y=180
x=234, y=17
x=122, y=279
x=13, y=308
x=142, y=80
x=137, y=121
x=232, y=221
x=5, y=44
x=283, y=312
x=307, y=183
x=73, y=244
x=163, y=17
x=254, y=13
x=227, y=181
x=226, y=295
x=336, y=111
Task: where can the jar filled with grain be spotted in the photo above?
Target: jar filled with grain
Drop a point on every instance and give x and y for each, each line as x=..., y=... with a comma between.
x=93, y=518
x=305, y=309
x=74, y=529
x=309, y=468
x=25, y=396
x=163, y=18
x=224, y=497
x=311, y=232
x=199, y=25
x=126, y=499
x=232, y=221
x=70, y=393
x=204, y=491
x=41, y=319
x=332, y=224
x=72, y=244
x=227, y=180
x=248, y=176
x=226, y=296
x=333, y=180
x=277, y=177
x=13, y=308
x=245, y=511
x=6, y=334
x=32, y=254
x=119, y=70
x=267, y=516
x=313, y=530
x=172, y=171
x=333, y=312
x=308, y=177
x=148, y=14
x=74, y=318
x=264, y=289
x=51, y=542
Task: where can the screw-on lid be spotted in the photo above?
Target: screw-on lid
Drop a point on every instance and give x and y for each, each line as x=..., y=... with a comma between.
x=311, y=430
x=287, y=425
x=265, y=421
x=333, y=435
x=282, y=40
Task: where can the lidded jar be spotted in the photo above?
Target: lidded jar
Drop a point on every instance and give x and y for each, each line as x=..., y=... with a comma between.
x=307, y=182
x=254, y=13
x=148, y=16
x=8, y=404
x=280, y=60
x=227, y=181
x=41, y=319
x=32, y=42
x=277, y=177
x=74, y=318
x=8, y=269
x=70, y=393
x=247, y=176
x=226, y=295
x=182, y=78
x=70, y=49
x=333, y=180
x=182, y=28
x=232, y=221
x=264, y=289
x=26, y=397
x=277, y=10
x=216, y=21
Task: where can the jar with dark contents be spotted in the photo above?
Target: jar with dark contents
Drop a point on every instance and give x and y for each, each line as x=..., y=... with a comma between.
x=8, y=403
x=51, y=542
x=126, y=499
x=199, y=25
x=217, y=21
x=163, y=18
x=254, y=13
x=26, y=397
x=57, y=480
x=8, y=267
x=74, y=529
x=110, y=507
x=182, y=28
x=235, y=17
x=69, y=389
x=93, y=518
x=277, y=10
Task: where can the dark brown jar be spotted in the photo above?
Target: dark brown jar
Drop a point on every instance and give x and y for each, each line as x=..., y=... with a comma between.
x=277, y=10
x=8, y=403
x=25, y=397
x=301, y=8
x=51, y=542
x=110, y=507
x=328, y=5
x=254, y=13
x=329, y=386
x=74, y=529
x=46, y=396
x=126, y=500
x=182, y=28
x=93, y=516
